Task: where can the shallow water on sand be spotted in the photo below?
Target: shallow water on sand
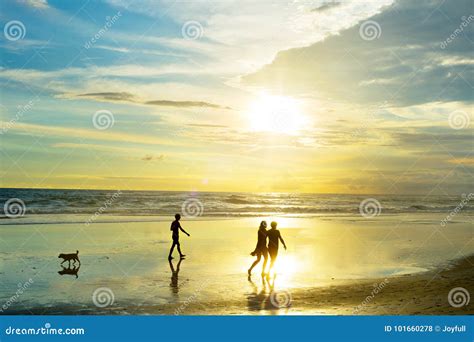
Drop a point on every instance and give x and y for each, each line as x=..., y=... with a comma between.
x=130, y=259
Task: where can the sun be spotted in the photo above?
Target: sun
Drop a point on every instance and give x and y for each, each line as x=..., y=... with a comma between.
x=276, y=114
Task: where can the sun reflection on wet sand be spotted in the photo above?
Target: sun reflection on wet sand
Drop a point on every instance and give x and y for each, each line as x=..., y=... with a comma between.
x=320, y=253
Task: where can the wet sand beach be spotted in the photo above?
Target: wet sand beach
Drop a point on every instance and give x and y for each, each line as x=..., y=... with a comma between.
x=335, y=265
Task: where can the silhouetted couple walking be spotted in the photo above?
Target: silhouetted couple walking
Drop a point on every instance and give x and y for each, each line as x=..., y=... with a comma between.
x=263, y=250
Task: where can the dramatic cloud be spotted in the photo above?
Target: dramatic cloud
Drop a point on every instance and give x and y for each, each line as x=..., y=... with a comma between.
x=326, y=6
x=127, y=97
x=417, y=52
x=184, y=104
x=110, y=96
x=384, y=89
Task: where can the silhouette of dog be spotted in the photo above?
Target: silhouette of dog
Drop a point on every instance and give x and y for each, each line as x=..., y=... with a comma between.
x=71, y=271
x=68, y=257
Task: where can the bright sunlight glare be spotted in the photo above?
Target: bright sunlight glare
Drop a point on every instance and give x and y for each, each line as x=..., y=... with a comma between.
x=277, y=114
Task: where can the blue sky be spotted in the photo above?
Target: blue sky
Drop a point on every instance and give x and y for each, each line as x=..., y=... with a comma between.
x=310, y=96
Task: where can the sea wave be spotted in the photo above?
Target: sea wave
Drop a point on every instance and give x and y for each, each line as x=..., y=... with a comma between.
x=215, y=204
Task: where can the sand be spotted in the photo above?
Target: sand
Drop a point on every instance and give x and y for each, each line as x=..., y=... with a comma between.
x=339, y=265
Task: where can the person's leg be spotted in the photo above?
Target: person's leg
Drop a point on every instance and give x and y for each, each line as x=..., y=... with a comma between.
x=171, y=250
x=265, y=260
x=254, y=264
x=272, y=262
x=273, y=256
x=179, y=250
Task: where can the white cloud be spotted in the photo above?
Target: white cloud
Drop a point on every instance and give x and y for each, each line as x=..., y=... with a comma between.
x=87, y=134
x=42, y=4
x=248, y=34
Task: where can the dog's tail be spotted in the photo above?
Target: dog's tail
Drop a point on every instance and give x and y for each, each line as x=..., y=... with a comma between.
x=77, y=252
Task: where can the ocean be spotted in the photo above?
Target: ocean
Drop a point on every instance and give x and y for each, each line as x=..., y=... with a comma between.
x=124, y=238
x=46, y=202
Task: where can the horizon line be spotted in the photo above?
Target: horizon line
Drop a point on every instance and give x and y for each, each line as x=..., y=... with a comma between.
x=237, y=192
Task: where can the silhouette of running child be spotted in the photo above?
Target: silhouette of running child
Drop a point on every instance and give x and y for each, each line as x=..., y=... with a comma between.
x=175, y=228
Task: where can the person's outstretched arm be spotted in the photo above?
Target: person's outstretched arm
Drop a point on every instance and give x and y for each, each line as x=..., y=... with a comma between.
x=185, y=232
x=282, y=241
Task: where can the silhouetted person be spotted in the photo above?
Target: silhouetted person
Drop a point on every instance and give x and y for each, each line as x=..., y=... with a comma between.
x=274, y=237
x=175, y=228
x=261, y=248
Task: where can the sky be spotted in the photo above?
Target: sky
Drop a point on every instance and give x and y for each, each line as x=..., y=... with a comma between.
x=369, y=97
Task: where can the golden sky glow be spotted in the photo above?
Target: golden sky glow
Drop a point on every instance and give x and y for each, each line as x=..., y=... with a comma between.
x=290, y=97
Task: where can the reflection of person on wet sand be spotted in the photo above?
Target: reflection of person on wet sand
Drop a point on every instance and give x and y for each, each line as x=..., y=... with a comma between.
x=174, y=275
x=261, y=248
x=262, y=300
x=175, y=228
x=274, y=237
x=256, y=299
